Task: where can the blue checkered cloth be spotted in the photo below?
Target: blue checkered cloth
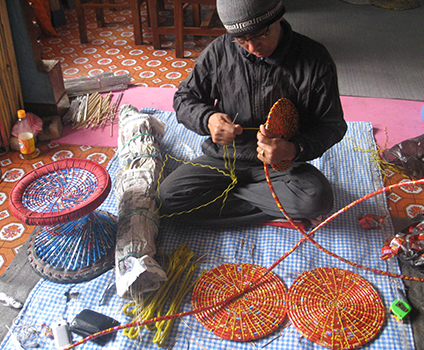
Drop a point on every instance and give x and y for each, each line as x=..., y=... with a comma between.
x=352, y=172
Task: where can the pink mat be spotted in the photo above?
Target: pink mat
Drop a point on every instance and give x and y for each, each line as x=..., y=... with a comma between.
x=393, y=120
x=139, y=97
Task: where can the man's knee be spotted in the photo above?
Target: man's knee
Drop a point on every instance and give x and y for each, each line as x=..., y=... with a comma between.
x=322, y=203
x=313, y=190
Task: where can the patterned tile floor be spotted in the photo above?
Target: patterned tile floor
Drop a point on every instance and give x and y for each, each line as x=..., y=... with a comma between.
x=405, y=201
x=112, y=48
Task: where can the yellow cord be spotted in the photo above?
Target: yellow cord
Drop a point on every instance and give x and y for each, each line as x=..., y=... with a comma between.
x=230, y=167
x=375, y=157
x=163, y=332
x=152, y=306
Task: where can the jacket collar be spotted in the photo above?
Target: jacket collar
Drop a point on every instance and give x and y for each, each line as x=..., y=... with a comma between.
x=281, y=50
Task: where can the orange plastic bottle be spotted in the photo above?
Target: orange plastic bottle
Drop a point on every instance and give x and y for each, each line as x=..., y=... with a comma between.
x=26, y=137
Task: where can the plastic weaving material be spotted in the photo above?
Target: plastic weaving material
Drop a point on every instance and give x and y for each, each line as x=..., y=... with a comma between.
x=335, y=308
x=283, y=119
x=253, y=315
x=59, y=192
x=76, y=244
x=76, y=251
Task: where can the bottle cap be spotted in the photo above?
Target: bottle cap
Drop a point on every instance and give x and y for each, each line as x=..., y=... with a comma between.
x=21, y=114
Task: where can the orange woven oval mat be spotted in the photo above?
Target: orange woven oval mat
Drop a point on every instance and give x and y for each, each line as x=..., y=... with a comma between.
x=335, y=308
x=253, y=315
x=283, y=119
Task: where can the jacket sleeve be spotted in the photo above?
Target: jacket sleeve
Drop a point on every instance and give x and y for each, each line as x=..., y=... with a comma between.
x=194, y=100
x=323, y=123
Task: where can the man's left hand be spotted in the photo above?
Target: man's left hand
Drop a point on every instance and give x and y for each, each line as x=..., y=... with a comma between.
x=272, y=148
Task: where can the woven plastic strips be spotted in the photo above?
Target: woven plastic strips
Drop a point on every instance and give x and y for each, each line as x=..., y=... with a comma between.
x=283, y=119
x=252, y=315
x=60, y=192
x=335, y=308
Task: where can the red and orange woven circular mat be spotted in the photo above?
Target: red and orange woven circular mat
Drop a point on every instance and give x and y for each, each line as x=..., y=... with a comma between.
x=252, y=315
x=335, y=308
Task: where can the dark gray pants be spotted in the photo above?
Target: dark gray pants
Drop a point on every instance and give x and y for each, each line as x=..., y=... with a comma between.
x=303, y=191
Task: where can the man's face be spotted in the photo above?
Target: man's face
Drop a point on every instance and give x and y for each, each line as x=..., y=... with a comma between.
x=262, y=43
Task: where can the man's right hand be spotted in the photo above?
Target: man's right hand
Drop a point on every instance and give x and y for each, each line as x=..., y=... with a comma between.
x=222, y=129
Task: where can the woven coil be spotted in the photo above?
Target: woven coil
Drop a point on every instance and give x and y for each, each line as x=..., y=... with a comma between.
x=59, y=192
x=335, y=308
x=283, y=119
x=76, y=251
x=253, y=315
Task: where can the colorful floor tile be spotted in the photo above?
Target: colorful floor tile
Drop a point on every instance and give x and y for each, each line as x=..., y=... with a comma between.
x=112, y=48
x=404, y=201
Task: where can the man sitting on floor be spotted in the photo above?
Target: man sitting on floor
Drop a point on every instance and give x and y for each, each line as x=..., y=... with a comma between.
x=228, y=95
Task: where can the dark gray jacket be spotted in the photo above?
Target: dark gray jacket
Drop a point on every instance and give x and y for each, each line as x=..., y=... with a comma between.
x=228, y=79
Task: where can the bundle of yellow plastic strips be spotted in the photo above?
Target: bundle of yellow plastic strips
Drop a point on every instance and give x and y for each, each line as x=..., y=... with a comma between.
x=174, y=289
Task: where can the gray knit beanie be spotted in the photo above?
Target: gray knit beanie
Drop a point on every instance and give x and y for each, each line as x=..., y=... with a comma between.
x=241, y=17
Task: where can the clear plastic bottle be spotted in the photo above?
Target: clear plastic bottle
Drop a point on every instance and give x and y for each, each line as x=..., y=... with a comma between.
x=26, y=137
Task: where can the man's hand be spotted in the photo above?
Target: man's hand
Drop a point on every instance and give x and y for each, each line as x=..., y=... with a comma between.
x=222, y=129
x=272, y=148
